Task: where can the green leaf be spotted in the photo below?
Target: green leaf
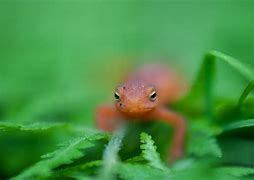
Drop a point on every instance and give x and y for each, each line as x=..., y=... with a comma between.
x=245, y=93
x=78, y=170
x=239, y=125
x=137, y=171
x=37, y=126
x=64, y=155
x=205, y=147
x=243, y=109
x=135, y=159
x=201, y=94
x=236, y=171
x=110, y=155
x=243, y=69
x=149, y=151
x=201, y=141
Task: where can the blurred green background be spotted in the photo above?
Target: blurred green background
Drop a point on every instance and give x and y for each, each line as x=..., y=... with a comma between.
x=59, y=59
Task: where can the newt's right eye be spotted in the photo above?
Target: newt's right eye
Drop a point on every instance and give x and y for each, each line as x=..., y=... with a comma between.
x=117, y=96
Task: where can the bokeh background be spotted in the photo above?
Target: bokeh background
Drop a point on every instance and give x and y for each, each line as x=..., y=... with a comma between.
x=59, y=59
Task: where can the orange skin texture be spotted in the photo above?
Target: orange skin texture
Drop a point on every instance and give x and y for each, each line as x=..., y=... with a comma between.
x=136, y=102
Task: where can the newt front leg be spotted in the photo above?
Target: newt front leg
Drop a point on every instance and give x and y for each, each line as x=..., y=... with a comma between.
x=107, y=118
x=179, y=130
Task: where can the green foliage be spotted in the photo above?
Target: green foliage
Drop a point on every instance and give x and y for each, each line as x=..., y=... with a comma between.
x=245, y=93
x=5, y=126
x=78, y=170
x=85, y=157
x=202, y=91
x=138, y=171
x=110, y=155
x=236, y=171
x=205, y=147
x=237, y=110
x=73, y=158
x=149, y=152
x=239, y=124
x=202, y=142
x=66, y=154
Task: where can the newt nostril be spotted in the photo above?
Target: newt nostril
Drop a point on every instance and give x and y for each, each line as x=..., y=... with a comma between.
x=121, y=105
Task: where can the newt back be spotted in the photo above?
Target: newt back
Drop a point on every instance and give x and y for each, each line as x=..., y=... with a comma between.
x=169, y=85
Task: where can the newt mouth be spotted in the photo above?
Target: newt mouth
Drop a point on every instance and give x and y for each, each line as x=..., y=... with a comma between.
x=137, y=110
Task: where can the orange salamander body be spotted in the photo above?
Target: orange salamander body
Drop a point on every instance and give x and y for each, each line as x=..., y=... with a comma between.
x=144, y=96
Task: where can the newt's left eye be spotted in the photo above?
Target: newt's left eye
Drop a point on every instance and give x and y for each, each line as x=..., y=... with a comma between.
x=153, y=96
x=117, y=96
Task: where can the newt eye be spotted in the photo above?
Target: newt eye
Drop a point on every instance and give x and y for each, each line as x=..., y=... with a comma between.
x=117, y=96
x=153, y=96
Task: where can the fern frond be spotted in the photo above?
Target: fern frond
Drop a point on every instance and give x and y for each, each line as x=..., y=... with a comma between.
x=110, y=156
x=64, y=155
x=149, y=151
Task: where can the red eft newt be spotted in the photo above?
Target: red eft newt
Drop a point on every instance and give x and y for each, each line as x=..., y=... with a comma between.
x=144, y=96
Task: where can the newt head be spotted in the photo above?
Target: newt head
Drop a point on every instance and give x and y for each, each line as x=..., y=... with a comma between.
x=136, y=99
